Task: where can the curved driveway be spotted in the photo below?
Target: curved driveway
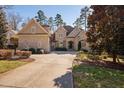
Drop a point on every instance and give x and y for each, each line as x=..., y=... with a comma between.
x=49, y=70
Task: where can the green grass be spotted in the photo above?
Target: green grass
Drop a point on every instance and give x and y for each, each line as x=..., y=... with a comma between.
x=6, y=65
x=86, y=76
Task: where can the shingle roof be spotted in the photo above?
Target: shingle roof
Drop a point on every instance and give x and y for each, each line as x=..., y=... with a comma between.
x=68, y=28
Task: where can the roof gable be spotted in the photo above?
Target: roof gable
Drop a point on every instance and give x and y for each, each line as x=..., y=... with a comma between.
x=75, y=32
x=82, y=35
x=69, y=29
x=60, y=29
x=33, y=23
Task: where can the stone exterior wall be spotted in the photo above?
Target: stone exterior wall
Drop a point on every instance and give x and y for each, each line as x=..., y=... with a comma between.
x=34, y=41
x=75, y=36
x=60, y=37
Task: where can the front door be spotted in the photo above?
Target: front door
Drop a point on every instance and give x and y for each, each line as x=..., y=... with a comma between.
x=79, y=45
x=70, y=45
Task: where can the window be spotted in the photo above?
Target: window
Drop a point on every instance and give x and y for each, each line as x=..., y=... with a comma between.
x=33, y=29
x=60, y=35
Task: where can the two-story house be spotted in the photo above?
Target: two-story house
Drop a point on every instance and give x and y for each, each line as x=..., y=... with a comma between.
x=70, y=38
x=34, y=35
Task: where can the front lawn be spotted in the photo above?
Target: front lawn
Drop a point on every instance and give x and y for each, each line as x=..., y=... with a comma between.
x=87, y=76
x=6, y=65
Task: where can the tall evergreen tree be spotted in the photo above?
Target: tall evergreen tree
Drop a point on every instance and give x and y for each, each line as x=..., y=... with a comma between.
x=41, y=18
x=58, y=20
x=78, y=23
x=51, y=23
x=3, y=28
x=83, y=17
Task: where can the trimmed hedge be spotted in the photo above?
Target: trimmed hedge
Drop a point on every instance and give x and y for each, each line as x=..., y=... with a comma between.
x=60, y=49
x=24, y=50
x=5, y=54
x=23, y=54
x=8, y=54
x=32, y=50
x=40, y=51
x=37, y=51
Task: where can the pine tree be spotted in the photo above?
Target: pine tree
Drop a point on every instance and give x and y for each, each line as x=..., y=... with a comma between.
x=78, y=23
x=3, y=29
x=41, y=18
x=58, y=20
x=51, y=23
x=83, y=16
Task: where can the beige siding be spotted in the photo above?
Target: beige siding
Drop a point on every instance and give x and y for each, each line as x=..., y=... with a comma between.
x=37, y=37
x=34, y=41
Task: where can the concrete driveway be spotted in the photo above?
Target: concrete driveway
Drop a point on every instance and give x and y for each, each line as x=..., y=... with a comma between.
x=49, y=70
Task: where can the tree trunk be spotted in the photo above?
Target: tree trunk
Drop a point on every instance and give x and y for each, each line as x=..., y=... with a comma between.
x=15, y=51
x=118, y=59
x=114, y=56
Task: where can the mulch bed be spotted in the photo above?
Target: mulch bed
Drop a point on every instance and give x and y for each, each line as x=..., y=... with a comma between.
x=107, y=64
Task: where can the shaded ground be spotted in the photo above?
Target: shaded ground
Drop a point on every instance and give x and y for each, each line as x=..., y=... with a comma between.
x=90, y=76
x=98, y=74
x=48, y=70
x=107, y=64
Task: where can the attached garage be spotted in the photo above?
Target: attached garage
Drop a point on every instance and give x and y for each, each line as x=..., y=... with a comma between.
x=33, y=35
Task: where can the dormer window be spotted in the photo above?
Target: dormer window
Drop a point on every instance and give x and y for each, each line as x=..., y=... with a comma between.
x=33, y=29
x=60, y=35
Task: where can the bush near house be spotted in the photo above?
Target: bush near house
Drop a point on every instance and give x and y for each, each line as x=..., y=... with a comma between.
x=60, y=49
x=24, y=50
x=40, y=51
x=37, y=51
x=23, y=54
x=32, y=50
x=7, y=54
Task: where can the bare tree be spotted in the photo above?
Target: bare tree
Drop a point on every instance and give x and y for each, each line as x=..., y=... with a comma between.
x=14, y=19
x=6, y=6
x=25, y=21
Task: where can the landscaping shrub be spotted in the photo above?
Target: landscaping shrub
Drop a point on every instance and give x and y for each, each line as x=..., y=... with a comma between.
x=60, y=49
x=24, y=50
x=18, y=53
x=40, y=51
x=81, y=55
x=23, y=54
x=94, y=57
x=32, y=50
x=84, y=50
x=86, y=56
x=5, y=54
x=26, y=53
